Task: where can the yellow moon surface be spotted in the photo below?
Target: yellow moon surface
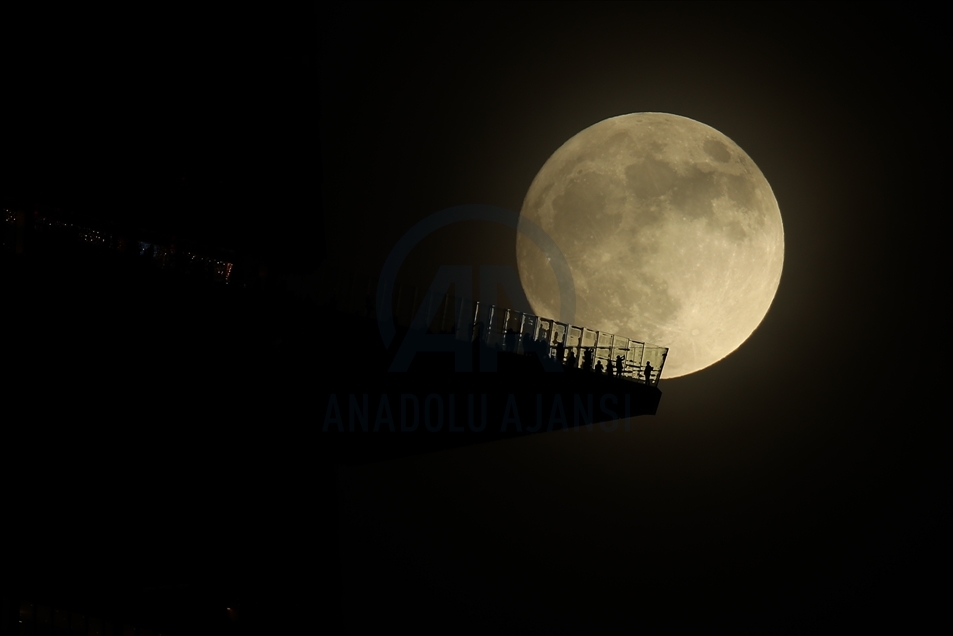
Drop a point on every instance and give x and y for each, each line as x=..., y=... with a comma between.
x=671, y=232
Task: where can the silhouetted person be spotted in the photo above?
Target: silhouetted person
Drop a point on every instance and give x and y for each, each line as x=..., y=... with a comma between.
x=619, y=363
x=543, y=348
x=561, y=352
x=526, y=343
x=648, y=373
x=600, y=369
x=570, y=359
x=587, y=359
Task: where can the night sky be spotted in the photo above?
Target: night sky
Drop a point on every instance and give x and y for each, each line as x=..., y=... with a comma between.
x=191, y=123
x=801, y=481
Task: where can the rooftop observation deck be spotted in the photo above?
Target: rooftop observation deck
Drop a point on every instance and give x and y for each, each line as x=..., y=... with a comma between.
x=544, y=374
x=501, y=330
x=282, y=346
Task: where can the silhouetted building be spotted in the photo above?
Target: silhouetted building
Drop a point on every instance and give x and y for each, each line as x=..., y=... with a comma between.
x=334, y=364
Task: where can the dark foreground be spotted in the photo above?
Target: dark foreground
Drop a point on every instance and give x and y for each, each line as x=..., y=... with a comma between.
x=171, y=444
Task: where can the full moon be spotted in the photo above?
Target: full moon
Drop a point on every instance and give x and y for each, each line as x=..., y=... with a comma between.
x=671, y=232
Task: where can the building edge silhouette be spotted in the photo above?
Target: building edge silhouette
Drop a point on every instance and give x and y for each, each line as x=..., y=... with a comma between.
x=129, y=341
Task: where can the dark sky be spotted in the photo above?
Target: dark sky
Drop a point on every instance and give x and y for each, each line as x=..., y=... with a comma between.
x=802, y=480
x=190, y=122
x=799, y=480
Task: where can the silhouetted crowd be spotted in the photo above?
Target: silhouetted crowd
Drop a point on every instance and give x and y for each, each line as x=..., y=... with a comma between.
x=542, y=349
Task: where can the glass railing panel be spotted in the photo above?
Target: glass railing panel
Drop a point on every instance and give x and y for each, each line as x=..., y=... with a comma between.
x=633, y=360
x=544, y=330
x=527, y=333
x=559, y=337
x=604, y=352
x=494, y=335
x=512, y=326
x=513, y=330
x=588, y=338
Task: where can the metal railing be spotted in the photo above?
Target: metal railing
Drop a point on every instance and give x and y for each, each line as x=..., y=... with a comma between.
x=574, y=346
